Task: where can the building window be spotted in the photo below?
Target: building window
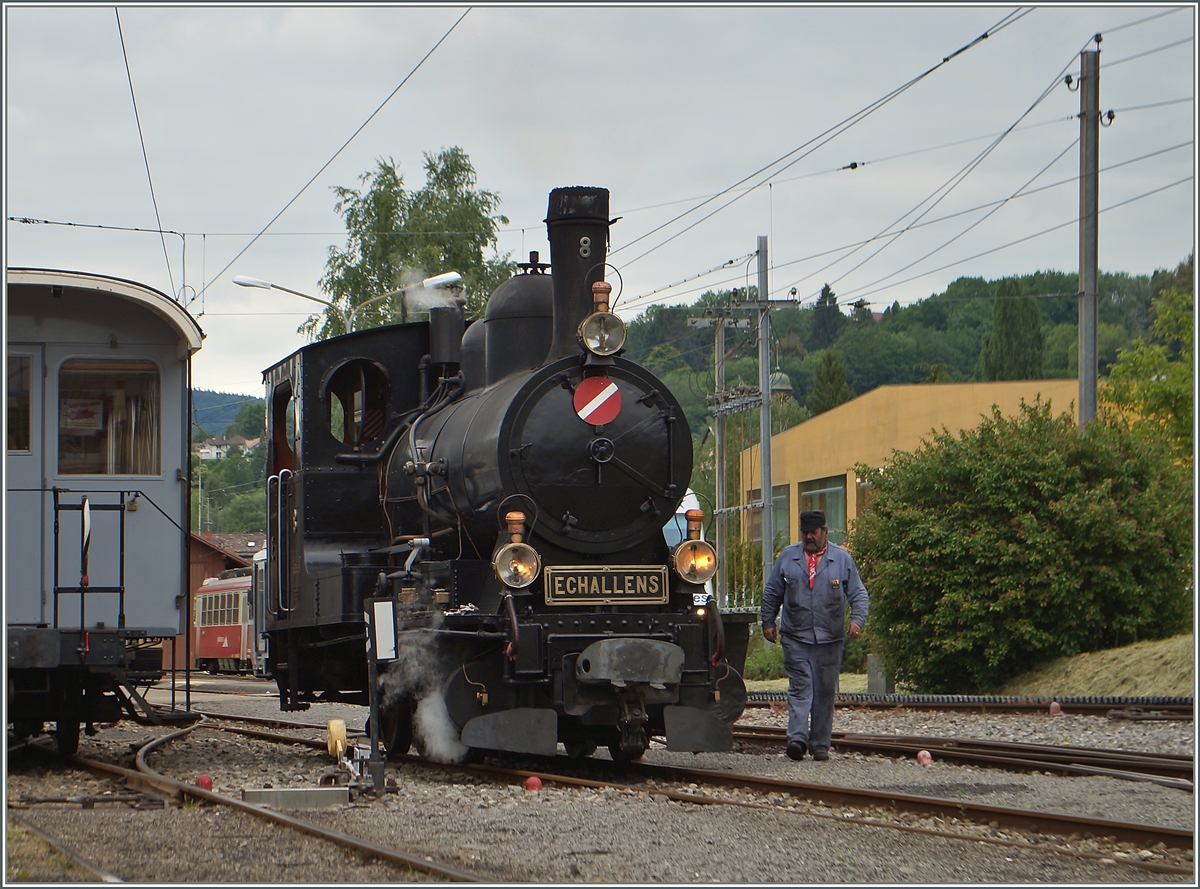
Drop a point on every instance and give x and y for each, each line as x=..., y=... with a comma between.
x=829, y=496
x=19, y=385
x=780, y=516
x=108, y=418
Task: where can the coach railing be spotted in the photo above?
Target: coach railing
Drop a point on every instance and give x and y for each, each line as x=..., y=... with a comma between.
x=84, y=587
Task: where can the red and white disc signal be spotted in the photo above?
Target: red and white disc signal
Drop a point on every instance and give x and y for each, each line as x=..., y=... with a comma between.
x=597, y=400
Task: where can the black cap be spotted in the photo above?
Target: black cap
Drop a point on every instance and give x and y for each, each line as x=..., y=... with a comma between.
x=811, y=520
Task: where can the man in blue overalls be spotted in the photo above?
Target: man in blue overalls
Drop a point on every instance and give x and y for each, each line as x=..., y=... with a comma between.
x=813, y=581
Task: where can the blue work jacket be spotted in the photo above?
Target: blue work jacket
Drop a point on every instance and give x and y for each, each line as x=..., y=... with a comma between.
x=819, y=614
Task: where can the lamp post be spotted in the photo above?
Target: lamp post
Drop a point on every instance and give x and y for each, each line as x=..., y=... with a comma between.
x=446, y=279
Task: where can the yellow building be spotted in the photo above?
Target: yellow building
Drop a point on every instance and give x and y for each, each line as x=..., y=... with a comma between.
x=813, y=463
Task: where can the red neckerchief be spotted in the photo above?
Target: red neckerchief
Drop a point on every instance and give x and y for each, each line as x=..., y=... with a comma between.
x=814, y=559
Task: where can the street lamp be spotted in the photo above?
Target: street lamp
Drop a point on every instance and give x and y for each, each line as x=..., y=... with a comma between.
x=446, y=279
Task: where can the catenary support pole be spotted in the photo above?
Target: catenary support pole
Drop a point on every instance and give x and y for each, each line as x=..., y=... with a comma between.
x=764, y=385
x=719, y=480
x=1089, y=198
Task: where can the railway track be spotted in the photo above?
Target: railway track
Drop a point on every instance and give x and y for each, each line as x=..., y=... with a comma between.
x=144, y=778
x=926, y=815
x=1168, y=770
x=912, y=813
x=1138, y=708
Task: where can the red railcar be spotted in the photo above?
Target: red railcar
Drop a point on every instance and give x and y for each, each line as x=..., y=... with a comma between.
x=223, y=623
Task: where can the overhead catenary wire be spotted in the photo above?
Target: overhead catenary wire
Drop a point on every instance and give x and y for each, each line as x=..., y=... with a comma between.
x=145, y=157
x=1073, y=221
x=642, y=299
x=995, y=209
x=353, y=135
x=827, y=136
x=950, y=185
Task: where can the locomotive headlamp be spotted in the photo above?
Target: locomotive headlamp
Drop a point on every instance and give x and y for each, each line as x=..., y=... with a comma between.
x=602, y=333
x=695, y=561
x=517, y=565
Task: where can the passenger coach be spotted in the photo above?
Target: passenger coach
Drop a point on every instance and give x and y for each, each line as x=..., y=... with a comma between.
x=96, y=494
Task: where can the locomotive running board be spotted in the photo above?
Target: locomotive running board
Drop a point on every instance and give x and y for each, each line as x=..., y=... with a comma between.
x=691, y=730
x=523, y=730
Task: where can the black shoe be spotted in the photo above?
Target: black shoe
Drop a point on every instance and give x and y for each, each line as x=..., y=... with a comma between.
x=796, y=749
x=820, y=754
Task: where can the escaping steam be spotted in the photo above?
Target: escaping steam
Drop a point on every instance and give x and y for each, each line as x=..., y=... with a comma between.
x=416, y=671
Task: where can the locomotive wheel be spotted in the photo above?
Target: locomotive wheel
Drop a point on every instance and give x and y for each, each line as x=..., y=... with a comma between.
x=22, y=730
x=623, y=756
x=581, y=748
x=66, y=736
x=396, y=727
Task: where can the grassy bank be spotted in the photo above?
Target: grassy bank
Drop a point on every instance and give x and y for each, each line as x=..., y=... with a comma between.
x=1161, y=668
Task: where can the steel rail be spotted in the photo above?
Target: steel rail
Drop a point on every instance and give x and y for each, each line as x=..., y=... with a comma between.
x=699, y=799
x=1013, y=818
x=1144, y=707
x=1016, y=819
x=1168, y=770
x=146, y=778
x=63, y=849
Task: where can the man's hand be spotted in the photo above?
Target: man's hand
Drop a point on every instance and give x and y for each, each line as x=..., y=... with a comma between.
x=855, y=630
x=769, y=634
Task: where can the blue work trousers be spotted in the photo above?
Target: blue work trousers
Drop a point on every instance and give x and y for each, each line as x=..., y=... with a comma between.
x=812, y=682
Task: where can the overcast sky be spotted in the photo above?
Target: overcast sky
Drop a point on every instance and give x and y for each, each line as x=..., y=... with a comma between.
x=666, y=107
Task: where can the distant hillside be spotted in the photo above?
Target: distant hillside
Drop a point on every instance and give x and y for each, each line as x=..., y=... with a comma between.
x=214, y=411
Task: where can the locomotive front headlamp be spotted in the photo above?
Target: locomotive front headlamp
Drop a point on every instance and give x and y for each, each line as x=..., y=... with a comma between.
x=695, y=561
x=602, y=333
x=517, y=565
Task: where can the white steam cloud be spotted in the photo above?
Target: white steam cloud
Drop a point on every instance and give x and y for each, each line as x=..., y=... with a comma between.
x=417, y=671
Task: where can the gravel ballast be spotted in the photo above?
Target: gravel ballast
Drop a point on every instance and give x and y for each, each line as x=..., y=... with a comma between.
x=505, y=833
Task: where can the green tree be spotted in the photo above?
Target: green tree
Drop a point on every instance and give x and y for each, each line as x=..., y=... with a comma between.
x=828, y=320
x=250, y=422
x=1153, y=382
x=1021, y=541
x=1014, y=348
x=245, y=513
x=830, y=387
x=396, y=237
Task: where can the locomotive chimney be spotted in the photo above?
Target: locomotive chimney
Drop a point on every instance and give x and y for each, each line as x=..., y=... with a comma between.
x=577, y=227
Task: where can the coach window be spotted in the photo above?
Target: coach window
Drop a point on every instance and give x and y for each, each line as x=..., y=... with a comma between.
x=356, y=400
x=108, y=417
x=19, y=380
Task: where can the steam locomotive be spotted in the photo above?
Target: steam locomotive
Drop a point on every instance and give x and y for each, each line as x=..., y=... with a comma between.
x=491, y=501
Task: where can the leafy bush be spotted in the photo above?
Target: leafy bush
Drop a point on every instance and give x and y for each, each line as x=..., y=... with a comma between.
x=764, y=662
x=1021, y=541
x=854, y=656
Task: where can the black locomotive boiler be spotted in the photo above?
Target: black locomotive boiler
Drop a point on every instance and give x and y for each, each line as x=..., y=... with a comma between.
x=503, y=492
